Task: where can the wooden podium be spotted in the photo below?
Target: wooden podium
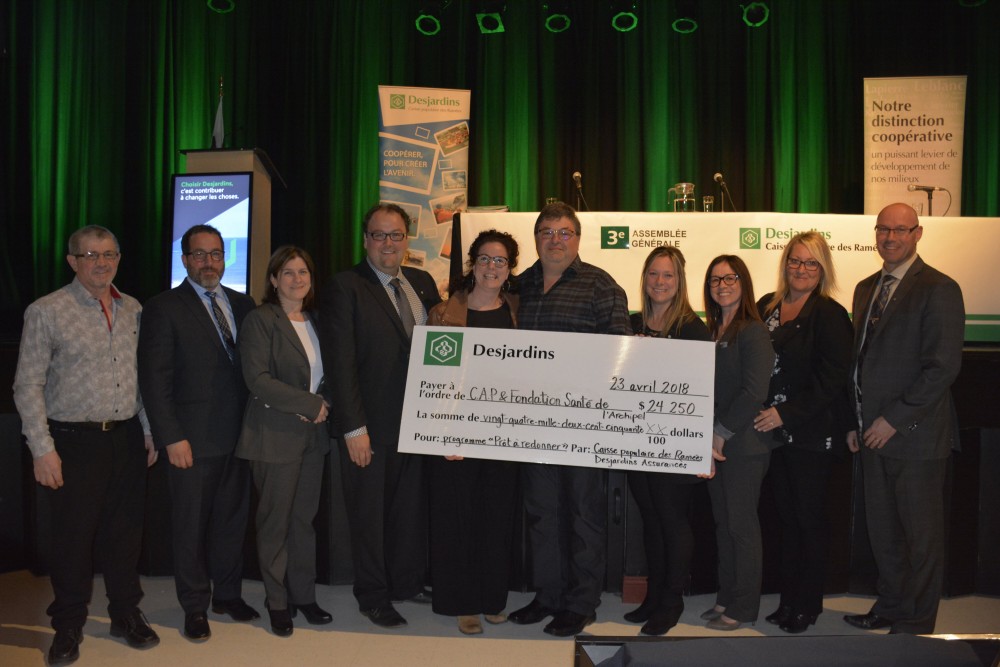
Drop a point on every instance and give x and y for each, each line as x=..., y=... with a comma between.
x=217, y=161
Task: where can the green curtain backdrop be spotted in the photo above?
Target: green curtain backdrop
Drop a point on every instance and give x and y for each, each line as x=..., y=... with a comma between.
x=101, y=95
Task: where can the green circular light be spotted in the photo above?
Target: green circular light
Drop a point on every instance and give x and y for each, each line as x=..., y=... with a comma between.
x=557, y=23
x=427, y=24
x=221, y=6
x=624, y=21
x=684, y=26
x=755, y=14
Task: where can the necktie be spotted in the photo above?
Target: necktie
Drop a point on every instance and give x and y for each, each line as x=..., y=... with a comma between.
x=403, y=304
x=874, y=315
x=223, y=324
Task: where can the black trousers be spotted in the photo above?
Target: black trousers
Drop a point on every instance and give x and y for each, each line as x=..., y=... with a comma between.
x=566, y=513
x=799, y=479
x=666, y=531
x=97, y=520
x=210, y=505
x=387, y=513
x=472, y=519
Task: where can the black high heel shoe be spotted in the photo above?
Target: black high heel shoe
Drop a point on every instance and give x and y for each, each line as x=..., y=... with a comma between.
x=781, y=615
x=797, y=623
x=314, y=614
x=281, y=621
x=642, y=613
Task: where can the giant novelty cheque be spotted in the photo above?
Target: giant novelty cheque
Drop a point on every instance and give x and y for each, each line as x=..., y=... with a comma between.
x=623, y=402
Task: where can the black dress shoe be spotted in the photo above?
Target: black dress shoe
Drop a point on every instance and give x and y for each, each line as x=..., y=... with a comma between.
x=385, y=616
x=281, y=622
x=237, y=609
x=797, y=623
x=65, y=646
x=642, y=613
x=530, y=614
x=135, y=629
x=423, y=597
x=659, y=623
x=781, y=615
x=314, y=614
x=196, y=626
x=569, y=623
x=869, y=621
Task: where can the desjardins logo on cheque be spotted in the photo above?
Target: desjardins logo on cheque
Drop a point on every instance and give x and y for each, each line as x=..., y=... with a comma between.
x=443, y=348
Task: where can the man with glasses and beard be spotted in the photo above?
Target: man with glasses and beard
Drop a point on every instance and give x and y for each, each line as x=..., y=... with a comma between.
x=193, y=389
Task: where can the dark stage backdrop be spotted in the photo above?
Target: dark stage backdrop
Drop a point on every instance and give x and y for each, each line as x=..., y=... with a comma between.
x=100, y=95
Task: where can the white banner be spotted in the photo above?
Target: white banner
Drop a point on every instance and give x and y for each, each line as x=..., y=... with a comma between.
x=914, y=129
x=622, y=402
x=964, y=248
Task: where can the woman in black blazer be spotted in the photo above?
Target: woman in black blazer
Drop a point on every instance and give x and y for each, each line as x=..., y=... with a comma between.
x=284, y=435
x=663, y=498
x=743, y=363
x=807, y=413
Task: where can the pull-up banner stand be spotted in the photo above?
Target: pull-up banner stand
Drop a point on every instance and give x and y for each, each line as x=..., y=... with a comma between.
x=423, y=167
x=914, y=128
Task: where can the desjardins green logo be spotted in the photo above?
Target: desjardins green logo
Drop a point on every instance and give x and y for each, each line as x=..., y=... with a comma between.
x=443, y=348
x=397, y=101
x=749, y=238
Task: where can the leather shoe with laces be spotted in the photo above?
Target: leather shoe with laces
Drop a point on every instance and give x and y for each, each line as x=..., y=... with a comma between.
x=65, y=646
x=135, y=629
x=530, y=614
x=798, y=623
x=237, y=609
x=196, y=626
x=314, y=614
x=569, y=623
x=385, y=616
x=869, y=621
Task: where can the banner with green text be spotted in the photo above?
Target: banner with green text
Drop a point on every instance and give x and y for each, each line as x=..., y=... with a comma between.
x=423, y=167
x=914, y=128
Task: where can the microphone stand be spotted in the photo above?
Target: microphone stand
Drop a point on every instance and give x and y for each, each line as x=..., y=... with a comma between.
x=580, y=198
x=725, y=193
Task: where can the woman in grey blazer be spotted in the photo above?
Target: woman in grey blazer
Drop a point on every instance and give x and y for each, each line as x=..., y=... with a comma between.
x=284, y=435
x=744, y=359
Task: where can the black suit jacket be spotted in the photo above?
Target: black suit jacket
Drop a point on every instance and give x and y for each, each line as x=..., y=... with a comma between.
x=814, y=354
x=912, y=359
x=190, y=388
x=744, y=360
x=366, y=352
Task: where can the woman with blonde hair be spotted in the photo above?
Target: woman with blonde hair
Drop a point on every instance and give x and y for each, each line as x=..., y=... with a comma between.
x=663, y=498
x=806, y=412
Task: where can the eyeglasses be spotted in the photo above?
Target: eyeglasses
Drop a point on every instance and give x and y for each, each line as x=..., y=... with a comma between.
x=729, y=279
x=108, y=256
x=549, y=234
x=499, y=262
x=898, y=231
x=201, y=255
x=381, y=236
x=810, y=264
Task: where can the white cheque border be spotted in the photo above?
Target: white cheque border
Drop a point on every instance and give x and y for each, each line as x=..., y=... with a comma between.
x=593, y=400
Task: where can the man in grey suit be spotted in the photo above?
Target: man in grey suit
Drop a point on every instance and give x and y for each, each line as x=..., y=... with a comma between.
x=369, y=312
x=909, y=323
x=193, y=390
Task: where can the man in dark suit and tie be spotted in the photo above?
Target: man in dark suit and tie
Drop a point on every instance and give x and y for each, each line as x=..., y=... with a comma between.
x=369, y=312
x=909, y=323
x=193, y=390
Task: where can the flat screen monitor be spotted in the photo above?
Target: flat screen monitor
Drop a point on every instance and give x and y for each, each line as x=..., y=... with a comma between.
x=219, y=200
